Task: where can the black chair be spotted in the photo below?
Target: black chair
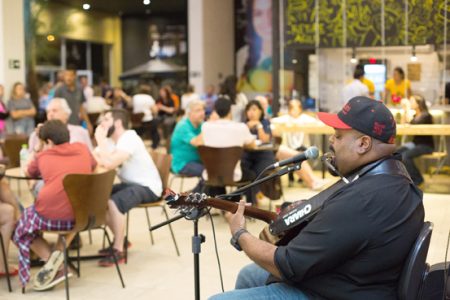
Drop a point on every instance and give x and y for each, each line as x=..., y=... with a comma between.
x=5, y=262
x=415, y=268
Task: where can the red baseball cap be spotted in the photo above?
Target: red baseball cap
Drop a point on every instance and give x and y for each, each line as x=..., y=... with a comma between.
x=365, y=115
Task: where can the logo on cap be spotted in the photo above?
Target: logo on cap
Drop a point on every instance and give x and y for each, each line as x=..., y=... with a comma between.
x=378, y=128
x=346, y=109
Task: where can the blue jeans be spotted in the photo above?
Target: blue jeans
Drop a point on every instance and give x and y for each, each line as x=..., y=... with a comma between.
x=408, y=155
x=192, y=168
x=250, y=284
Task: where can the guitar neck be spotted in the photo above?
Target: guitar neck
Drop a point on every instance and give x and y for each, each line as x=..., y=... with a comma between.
x=250, y=211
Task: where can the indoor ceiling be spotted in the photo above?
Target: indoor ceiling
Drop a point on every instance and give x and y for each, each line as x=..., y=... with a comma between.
x=132, y=7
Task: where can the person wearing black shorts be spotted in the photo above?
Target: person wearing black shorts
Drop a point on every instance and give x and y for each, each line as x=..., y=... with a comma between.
x=121, y=148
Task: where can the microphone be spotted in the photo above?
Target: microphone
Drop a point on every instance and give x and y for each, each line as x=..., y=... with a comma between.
x=311, y=152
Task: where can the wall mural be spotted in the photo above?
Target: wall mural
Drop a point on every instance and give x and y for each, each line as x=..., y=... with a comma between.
x=425, y=22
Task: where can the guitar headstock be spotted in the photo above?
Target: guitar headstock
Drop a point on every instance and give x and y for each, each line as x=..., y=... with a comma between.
x=185, y=202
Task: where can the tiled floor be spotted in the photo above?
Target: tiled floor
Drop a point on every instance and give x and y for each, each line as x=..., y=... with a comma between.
x=155, y=272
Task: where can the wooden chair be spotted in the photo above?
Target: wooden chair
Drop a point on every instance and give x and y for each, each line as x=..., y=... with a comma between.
x=93, y=118
x=13, y=144
x=220, y=164
x=5, y=262
x=440, y=156
x=89, y=195
x=162, y=162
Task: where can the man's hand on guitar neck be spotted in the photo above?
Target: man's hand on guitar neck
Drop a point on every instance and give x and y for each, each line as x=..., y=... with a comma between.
x=237, y=220
x=261, y=252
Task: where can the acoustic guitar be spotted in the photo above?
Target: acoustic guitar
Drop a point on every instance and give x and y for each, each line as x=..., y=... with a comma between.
x=187, y=202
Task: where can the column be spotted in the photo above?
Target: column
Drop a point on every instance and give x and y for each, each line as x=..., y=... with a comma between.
x=12, y=44
x=211, y=42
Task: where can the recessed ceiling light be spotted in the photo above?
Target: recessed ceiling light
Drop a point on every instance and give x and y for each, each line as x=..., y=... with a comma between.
x=146, y=2
x=86, y=6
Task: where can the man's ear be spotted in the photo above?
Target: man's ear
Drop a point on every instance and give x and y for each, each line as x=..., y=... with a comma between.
x=364, y=144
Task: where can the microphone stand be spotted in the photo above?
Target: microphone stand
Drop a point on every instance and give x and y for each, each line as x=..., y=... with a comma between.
x=241, y=190
x=197, y=240
x=195, y=213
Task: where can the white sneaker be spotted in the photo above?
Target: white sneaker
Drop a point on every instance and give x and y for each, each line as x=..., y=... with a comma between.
x=58, y=278
x=47, y=273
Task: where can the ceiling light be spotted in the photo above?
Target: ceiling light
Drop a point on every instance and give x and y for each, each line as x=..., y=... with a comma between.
x=86, y=6
x=146, y=2
x=50, y=37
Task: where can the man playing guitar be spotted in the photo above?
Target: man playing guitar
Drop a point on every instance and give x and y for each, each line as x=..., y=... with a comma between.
x=355, y=246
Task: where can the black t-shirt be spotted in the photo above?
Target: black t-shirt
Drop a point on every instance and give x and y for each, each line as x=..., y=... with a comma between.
x=168, y=103
x=75, y=98
x=356, y=245
x=424, y=118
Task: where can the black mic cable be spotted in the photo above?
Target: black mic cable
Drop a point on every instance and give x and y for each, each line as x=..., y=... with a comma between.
x=310, y=153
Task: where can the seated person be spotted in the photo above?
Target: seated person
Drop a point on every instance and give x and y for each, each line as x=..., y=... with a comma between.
x=254, y=162
x=167, y=111
x=295, y=143
x=421, y=144
x=117, y=98
x=224, y=132
x=144, y=103
x=121, y=148
x=342, y=252
x=54, y=159
x=58, y=109
x=9, y=214
x=185, y=140
x=96, y=103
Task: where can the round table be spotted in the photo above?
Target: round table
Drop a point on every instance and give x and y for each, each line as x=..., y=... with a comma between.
x=16, y=173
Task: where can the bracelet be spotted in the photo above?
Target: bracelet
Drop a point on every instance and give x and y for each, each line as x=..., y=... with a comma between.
x=235, y=238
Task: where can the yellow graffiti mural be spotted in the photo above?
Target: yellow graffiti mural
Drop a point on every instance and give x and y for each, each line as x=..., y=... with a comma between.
x=363, y=22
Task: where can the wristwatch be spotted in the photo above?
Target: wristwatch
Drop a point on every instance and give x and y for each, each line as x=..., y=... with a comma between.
x=235, y=238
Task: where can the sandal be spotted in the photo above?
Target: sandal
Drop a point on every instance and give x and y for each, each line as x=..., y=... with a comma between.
x=12, y=272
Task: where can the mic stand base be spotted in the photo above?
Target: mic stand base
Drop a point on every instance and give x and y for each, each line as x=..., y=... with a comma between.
x=197, y=241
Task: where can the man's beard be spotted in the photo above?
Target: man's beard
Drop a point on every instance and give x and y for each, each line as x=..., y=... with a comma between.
x=110, y=131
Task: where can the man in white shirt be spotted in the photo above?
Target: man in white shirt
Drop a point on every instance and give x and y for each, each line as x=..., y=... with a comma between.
x=144, y=103
x=140, y=180
x=225, y=132
x=222, y=132
x=355, y=88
